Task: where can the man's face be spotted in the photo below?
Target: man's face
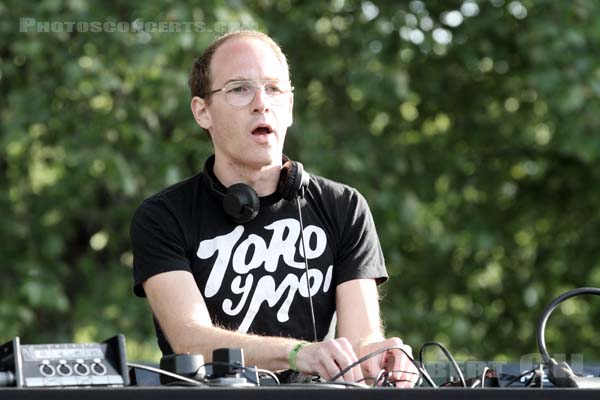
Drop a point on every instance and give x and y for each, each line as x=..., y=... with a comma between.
x=253, y=135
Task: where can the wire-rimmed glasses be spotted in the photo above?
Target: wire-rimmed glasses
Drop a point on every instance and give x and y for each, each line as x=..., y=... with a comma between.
x=241, y=93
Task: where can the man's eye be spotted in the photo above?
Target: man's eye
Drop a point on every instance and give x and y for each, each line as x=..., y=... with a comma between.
x=273, y=89
x=239, y=89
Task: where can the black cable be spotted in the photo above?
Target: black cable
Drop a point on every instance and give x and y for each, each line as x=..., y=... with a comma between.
x=363, y=359
x=377, y=352
x=346, y=384
x=179, y=383
x=367, y=377
x=518, y=377
x=264, y=372
x=531, y=381
x=447, y=354
x=167, y=373
x=546, y=314
x=374, y=378
x=269, y=374
x=312, y=309
x=380, y=376
x=393, y=382
x=204, y=381
x=251, y=369
x=425, y=374
x=386, y=381
x=404, y=372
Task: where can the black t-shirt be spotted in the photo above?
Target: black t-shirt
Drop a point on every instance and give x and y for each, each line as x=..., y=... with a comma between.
x=252, y=276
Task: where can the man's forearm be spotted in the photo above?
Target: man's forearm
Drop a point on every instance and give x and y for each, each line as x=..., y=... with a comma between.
x=262, y=351
x=358, y=312
x=190, y=329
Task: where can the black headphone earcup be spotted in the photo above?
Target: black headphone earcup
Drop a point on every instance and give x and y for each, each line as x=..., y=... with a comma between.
x=287, y=177
x=241, y=203
x=291, y=179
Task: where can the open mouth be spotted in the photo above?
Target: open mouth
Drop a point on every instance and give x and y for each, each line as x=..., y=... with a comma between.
x=262, y=129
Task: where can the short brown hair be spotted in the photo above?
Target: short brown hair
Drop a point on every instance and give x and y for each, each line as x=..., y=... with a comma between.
x=199, y=80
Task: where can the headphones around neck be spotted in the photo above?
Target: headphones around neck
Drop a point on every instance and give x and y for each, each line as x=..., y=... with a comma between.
x=241, y=202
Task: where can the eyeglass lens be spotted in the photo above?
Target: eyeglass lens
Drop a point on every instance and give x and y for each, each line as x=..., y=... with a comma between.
x=241, y=93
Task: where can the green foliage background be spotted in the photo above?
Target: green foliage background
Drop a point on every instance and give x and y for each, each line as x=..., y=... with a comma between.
x=470, y=127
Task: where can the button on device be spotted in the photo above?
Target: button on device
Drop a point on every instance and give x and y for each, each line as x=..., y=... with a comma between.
x=47, y=369
x=63, y=368
x=81, y=368
x=98, y=368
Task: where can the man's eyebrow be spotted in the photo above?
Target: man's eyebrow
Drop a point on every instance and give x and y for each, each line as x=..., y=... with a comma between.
x=236, y=79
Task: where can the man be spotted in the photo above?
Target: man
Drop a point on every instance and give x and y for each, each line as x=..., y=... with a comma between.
x=214, y=282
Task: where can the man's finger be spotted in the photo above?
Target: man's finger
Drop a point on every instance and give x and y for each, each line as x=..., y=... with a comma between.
x=344, y=356
x=331, y=369
x=343, y=361
x=372, y=368
x=401, y=367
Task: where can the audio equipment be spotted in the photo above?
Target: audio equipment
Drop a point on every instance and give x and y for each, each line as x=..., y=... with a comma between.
x=229, y=369
x=188, y=365
x=561, y=374
x=240, y=201
x=65, y=364
x=226, y=361
x=226, y=369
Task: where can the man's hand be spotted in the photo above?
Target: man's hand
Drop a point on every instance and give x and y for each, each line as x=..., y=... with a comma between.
x=328, y=358
x=402, y=371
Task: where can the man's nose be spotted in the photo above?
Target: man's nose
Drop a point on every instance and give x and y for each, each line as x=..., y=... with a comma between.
x=260, y=103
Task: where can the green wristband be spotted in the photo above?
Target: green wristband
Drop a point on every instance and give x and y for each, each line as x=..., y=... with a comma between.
x=294, y=355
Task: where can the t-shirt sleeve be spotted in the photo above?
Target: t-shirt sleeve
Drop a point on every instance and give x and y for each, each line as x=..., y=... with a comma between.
x=157, y=241
x=360, y=255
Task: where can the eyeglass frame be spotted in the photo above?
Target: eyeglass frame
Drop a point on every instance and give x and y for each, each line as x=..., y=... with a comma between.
x=256, y=86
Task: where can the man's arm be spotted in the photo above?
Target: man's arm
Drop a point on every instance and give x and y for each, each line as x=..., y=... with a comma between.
x=181, y=311
x=357, y=304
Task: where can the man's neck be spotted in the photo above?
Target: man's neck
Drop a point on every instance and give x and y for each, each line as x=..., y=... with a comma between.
x=262, y=178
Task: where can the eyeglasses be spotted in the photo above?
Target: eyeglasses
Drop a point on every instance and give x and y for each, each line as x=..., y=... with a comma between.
x=242, y=93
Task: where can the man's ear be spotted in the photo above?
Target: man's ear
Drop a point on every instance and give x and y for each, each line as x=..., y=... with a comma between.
x=201, y=113
x=291, y=121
